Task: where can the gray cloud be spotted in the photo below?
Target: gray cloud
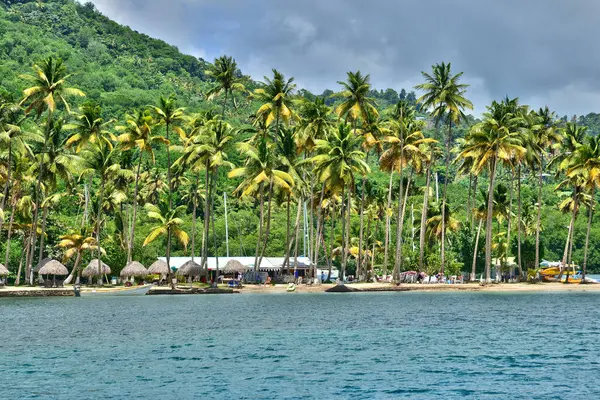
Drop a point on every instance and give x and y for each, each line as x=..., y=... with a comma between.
x=539, y=50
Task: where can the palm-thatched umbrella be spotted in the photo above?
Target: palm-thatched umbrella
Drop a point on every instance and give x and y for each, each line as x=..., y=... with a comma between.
x=53, y=268
x=159, y=267
x=92, y=269
x=234, y=266
x=3, y=270
x=191, y=269
x=134, y=268
x=41, y=264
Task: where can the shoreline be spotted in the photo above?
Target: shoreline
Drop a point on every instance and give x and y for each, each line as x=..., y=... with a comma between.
x=12, y=291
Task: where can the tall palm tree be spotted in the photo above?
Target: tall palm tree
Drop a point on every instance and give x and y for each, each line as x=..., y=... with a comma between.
x=260, y=172
x=586, y=163
x=89, y=127
x=137, y=133
x=431, y=153
x=338, y=161
x=276, y=98
x=445, y=97
x=49, y=89
x=357, y=105
x=490, y=143
x=227, y=78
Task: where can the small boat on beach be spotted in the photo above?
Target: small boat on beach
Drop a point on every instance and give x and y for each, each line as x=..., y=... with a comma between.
x=570, y=274
x=291, y=288
x=121, y=291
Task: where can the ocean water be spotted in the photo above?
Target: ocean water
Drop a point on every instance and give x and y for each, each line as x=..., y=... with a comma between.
x=313, y=346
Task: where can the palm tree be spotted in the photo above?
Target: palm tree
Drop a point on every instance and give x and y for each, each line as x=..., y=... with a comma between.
x=315, y=123
x=89, y=127
x=276, y=98
x=101, y=159
x=260, y=170
x=137, y=133
x=357, y=104
x=227, y=78
x=169, y=222
x=74, y=244
x=586, y=163
x=49, y=87
x=480, y=214
x=338, y=160
x=445, y=96
x=431, y=153
x=489, y=143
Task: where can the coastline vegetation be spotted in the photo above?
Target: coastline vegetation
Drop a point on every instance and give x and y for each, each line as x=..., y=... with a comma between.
x=125, y=150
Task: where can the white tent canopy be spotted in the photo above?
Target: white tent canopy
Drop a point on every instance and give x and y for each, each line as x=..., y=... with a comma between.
x=267, y=264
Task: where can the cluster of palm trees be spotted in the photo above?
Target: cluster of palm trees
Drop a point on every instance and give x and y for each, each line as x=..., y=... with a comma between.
x=297, y=153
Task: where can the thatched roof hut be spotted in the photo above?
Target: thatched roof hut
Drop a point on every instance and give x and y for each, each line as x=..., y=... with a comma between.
x=92, y=269
x=190, y=268
x=159, y=267
x=41, y=264
x=134, y=268
x=53, y=267
x=3, y=270
x=234, y=266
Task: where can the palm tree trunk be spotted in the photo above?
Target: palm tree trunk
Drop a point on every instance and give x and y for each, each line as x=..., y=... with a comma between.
x=447, y=168
x=43, y=233
x=509, y=219
x=268, y=227
x=170, y=185
x=347, y=240
x=539, y=215
x=587, y=234
x=489, y=223
x=388, y=225
x=224, y=103
x=26, y=243
x=288, y=223
x=205, y=232
x=99, y=225
x=343, y=212
x=332, y=242
x=297, y=233
x=195, y=210
x=361, y=232
x=399, y=225
x=519, y=223
x=474, y=199
x=291, y=239
x=474, y=266
x=424, y=219
x=468, y=210
x=135, y=206
x=6, y=184
x=212, y=215
x=260, y=227
x=9, y=234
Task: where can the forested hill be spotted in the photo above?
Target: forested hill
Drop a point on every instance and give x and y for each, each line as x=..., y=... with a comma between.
x=115, y=66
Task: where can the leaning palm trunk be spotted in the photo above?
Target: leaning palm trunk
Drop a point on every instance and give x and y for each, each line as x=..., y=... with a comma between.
x=26, y=244
x=396, y=273
x=292, y=239
x=474, y=200
x=43, y=233
x=587, y=234
x=74, y=270
x=539, y=215
x=387, y=225
x=489, y=222
x=170, y=185
x=135, y=207
x=519, y=223
x=565, y=259
x=6, y=184
x=424, y=219
x=399, y=239
x=99, y=227
x=468, y=210
x=474, y=266
x=344, y=227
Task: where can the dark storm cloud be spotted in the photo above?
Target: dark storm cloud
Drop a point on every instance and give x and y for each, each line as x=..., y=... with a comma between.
x=543, y=51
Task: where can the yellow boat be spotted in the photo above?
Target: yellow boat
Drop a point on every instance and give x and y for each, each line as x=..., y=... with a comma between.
x=570, y=272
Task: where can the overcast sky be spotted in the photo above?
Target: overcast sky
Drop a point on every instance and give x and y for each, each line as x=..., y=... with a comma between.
x=543, y=51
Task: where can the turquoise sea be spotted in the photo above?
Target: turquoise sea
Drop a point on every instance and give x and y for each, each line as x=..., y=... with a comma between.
x=313, y=346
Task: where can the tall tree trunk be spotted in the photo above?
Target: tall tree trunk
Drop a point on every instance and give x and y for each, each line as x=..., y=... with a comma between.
x=489, y=223
x=9, y=234
x=268, y=227
x=468, y=210
x=348, y=226
x=401, y=226
x=170, y=185
x=26, y=244
x=519, y=223
x=396, y=273
x=205, y=231
x=315, y=258
x=212, y=215
x=260, y=226
x=194, y=212
x=388, y=227
x=474, y=266
x=344, y=254
x=424, y=218
x=134, y=212
x=6, y=184
x=43, y=233
x=475, y=179
x=292, y=239
x=99, y=226
x=509, y=219
x=361, y=229
x=332, y=242
x=288, y=223
x=297, y=234
x=444, y=199
x=539, y=214
x=587, y=234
